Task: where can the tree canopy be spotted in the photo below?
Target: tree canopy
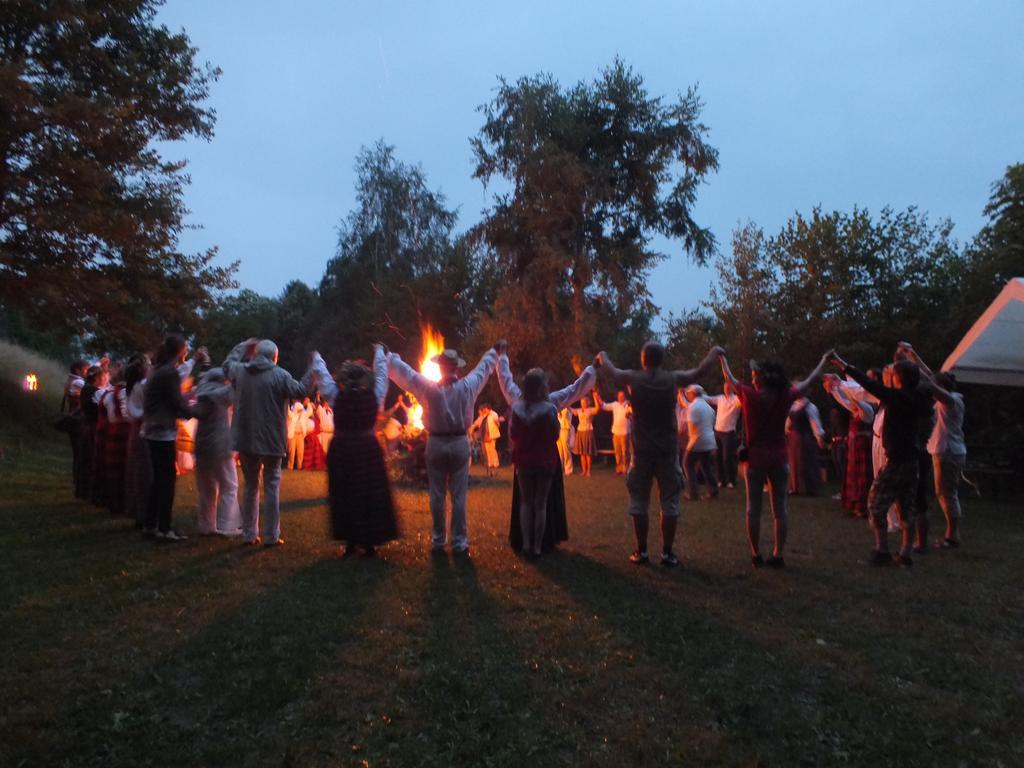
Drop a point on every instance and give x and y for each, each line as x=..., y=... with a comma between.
x=595, y=171
x=90, y=210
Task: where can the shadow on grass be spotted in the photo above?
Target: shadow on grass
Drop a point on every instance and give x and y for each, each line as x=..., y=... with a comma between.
x=233, y=690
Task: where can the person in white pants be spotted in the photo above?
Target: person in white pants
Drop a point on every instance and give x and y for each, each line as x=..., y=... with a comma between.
x=487, y=423
x=216, y=476
x=325, y=414
x=447, y=416
x=565, y=439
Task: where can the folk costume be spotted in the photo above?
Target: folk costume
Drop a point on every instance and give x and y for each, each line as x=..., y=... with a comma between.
x=556, y=527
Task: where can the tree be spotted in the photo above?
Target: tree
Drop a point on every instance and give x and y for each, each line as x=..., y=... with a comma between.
x=90, y=211
x=398, y=264
x=996, y=253
x=595, y=171
x=849, y=280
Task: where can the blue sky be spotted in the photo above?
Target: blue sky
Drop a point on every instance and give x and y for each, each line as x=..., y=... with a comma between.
x=838, y=104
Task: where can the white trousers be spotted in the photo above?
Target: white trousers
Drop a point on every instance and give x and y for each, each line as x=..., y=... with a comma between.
x=217, y=487
x=564, y=451
x=448, y=476
x=491, y=452
x=325, y=440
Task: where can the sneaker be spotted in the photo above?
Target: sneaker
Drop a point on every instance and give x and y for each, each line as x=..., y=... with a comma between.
x=276, y=543
x=775, y=561
x=638, y=558
x=669, y=560
x=879, y=558
x=950, y=544
x=730, y=485
x=837, y=497
x=253, y=542
x=756, y=561
x=904, y=561
x=169, y=536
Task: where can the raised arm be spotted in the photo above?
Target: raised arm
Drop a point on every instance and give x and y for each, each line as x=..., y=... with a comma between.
x=686, y=377
x=407, y=378
x=569, y=395
x=506, y=381
x=318, y=375
x=727, y=372
x=475, y=380
x=236, y=357
x=621, y=377
x=380, y=374
x=803, y=386
x=911, y=354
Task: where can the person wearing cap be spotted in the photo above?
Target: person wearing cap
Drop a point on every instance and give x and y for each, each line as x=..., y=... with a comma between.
x=259, y=432
x=700, y=444
x=447, y=415
x=653, y=392
x=765, y=407
x=216, y=476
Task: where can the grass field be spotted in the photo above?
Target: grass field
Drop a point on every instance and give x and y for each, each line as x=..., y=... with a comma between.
x=120, y=652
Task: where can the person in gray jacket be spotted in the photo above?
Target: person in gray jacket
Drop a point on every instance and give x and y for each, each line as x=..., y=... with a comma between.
x=259, y=432
x=216, y=477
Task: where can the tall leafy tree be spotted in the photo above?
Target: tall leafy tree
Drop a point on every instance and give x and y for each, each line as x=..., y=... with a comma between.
x=90, y=210
x=398, y=264
x=594, y=172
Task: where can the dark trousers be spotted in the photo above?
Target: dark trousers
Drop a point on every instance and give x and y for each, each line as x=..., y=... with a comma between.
x=726, y=456
x=839, y=459
x=161, y=490
x=76, y=445
x=86, y=458
x=690, y=462
x=924, y=483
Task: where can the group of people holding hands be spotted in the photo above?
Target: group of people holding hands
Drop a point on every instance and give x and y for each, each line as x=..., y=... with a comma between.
x=244, y=407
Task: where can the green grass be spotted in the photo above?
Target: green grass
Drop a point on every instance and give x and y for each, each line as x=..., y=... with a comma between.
x=120, y=652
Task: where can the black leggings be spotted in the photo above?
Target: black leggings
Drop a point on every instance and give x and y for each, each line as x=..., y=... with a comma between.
x=161, y=490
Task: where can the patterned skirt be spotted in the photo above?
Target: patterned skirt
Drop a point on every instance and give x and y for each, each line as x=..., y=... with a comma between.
x=556, y=526
x=859, y=474
x=362, y=509
x=115, y=454
x=137, y=475
x=313, y=454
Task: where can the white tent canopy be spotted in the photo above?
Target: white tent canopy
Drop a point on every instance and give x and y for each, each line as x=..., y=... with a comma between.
x=992, y=352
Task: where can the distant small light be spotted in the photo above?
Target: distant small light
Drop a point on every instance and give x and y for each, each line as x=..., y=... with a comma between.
x=31, y=383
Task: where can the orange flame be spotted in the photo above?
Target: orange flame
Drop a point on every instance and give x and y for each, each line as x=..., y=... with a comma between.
x=433, y=344
x=31, y=382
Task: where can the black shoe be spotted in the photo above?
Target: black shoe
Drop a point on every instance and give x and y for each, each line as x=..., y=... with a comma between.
x=669, y=560
x=879, y=558
x=775, y=561
x=921, y=550
x=903, y=561
x=638, y=558
x=464, y=552
x=756, y=560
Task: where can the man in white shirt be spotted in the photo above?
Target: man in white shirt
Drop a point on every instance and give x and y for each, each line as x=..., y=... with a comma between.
x=700, y=445
x=487, y=423
x=447, y=416
x=727, y=413
x=621, y=410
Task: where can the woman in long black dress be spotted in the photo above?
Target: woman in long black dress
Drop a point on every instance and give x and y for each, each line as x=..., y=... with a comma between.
x=359, y=493
x=556, y=528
